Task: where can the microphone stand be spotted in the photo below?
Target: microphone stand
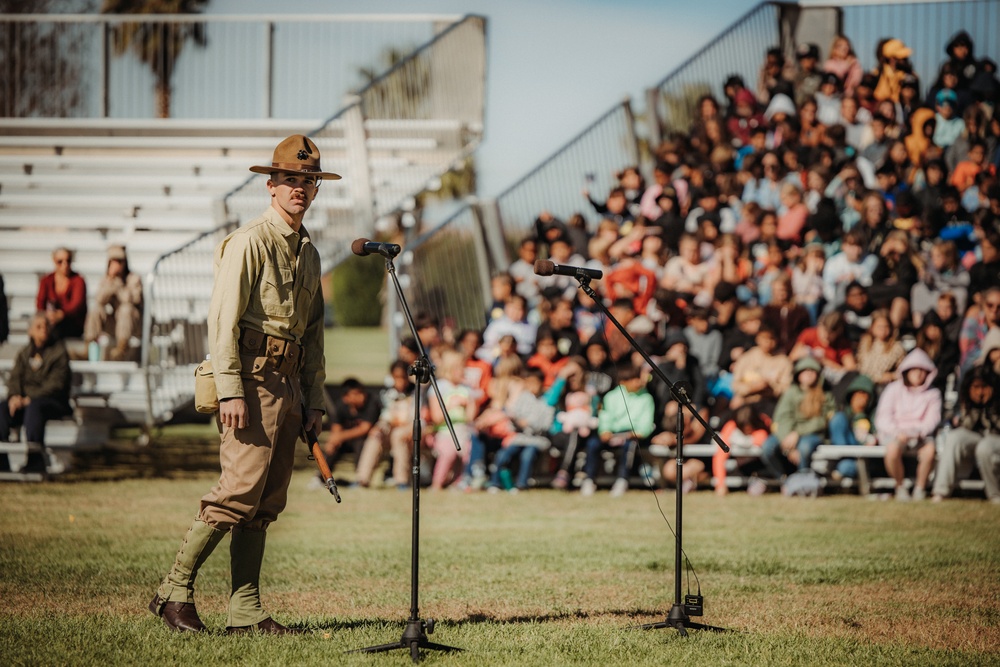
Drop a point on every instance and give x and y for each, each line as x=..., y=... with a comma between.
x=681, y=612
x=415, y=635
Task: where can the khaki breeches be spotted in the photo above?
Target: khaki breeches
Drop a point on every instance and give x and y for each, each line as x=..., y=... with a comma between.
x=257, y=460
x=123, y=323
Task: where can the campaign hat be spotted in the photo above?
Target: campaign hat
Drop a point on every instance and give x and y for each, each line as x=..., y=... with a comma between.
x=297, y=154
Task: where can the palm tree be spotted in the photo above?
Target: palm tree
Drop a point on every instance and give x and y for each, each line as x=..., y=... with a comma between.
x=158, y=44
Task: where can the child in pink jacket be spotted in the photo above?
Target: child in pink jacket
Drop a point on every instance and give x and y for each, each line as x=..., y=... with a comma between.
x=908, y=413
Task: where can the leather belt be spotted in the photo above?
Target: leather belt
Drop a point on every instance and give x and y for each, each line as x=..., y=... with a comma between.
x=266, y=352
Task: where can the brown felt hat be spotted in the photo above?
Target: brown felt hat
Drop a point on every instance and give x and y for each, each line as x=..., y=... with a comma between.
x=298, y=155
x=116, y=252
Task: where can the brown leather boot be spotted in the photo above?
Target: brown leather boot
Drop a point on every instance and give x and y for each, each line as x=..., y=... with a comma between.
x=178, y=616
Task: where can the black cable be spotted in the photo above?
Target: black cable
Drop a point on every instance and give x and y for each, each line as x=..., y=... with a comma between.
x=689, y=567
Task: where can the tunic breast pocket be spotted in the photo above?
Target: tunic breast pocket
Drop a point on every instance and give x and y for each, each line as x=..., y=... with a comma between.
x=276, y=291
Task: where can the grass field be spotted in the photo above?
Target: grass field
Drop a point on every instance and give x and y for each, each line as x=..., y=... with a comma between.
x=540, y=578
x=361, y=352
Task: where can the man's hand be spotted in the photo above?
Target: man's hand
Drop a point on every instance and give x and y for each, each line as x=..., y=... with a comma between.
x=15, y=403
x=233, y=412
x=314, y=420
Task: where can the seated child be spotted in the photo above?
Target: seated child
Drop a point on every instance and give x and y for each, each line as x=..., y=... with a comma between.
x=907, y=416
x=747, y=428
x=526, y=419
x=460, y=401
x=800, y=421
x=976, y=438
x=852, y=425
x=624, y=420
x=393, y=432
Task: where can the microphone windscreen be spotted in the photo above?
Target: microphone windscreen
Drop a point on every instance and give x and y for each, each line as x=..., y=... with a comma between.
x=358, y=247
x=544, y=267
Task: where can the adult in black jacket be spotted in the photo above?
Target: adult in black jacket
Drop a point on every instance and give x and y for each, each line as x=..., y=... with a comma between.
x=38, y=388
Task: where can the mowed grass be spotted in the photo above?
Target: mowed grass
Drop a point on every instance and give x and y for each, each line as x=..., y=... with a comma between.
x=540, y=578
x=361, y=352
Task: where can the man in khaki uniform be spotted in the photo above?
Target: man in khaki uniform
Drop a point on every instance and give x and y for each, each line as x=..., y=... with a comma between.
x=265, y=332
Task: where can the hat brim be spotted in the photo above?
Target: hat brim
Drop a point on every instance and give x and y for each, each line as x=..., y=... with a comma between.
x=329, y=175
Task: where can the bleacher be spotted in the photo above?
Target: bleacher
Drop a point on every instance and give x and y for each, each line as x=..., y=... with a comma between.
x=170, y=189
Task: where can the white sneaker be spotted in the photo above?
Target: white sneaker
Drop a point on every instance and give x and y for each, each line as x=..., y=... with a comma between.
x=315, y=483
x=919, y=493
x=902, y=494
x=587, y=487
x=619, y=487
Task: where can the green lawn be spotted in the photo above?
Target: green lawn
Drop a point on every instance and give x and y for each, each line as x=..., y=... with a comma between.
x=541, y=578
x=361, y=352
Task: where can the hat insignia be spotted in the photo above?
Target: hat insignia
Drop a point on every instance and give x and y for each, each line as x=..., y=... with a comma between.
x=302, y=155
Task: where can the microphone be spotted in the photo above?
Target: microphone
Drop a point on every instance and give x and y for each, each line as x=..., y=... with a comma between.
x=364, y=247
x=544, y=267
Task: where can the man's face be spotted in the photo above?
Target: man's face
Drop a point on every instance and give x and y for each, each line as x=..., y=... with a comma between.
x=38, y=332
x=292, y=193
x=354, y=398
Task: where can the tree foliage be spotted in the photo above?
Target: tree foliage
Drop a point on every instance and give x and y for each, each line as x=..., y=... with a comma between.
x=41, y=63
x=157, y=44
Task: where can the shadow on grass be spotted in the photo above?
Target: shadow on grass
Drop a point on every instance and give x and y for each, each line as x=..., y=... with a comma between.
x=476, y=619
x=172, y=453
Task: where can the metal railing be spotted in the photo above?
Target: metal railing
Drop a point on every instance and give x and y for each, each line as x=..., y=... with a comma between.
x=739, y=50
x=589, y=160
x=210, y=66
x=446, y=272
x=403, y=129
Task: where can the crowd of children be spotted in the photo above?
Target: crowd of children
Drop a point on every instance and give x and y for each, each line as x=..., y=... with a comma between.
x=816, y=260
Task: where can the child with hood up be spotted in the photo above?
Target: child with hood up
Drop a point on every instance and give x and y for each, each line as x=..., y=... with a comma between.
x=800, y=420
x=908, y=413
x=976, y=438
x=853, y=425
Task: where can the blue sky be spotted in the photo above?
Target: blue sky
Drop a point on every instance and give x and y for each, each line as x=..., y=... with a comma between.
x=554, y=66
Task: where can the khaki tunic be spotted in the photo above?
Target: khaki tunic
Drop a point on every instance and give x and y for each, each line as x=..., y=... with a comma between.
x=266, y=280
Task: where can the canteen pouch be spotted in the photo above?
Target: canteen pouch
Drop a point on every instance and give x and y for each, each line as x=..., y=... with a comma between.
x=206, y=396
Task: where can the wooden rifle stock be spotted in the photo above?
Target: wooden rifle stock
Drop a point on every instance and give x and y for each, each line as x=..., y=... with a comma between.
x=317, y=455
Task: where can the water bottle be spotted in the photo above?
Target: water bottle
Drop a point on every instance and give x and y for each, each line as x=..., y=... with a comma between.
x=102, y=346
x=93, y=351
x=506, y=481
